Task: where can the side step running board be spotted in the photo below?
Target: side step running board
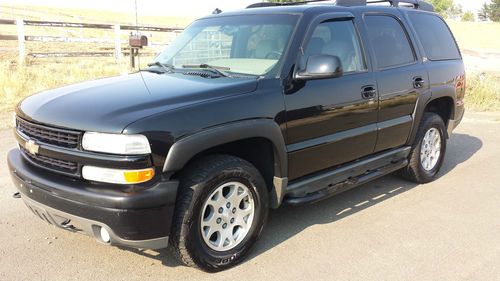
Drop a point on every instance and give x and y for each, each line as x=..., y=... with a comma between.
x=322, y=186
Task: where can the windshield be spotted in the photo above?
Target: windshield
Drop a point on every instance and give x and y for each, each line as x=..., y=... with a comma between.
x=245, y=44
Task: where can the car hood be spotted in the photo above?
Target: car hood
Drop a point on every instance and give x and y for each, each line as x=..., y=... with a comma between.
x=110, y=104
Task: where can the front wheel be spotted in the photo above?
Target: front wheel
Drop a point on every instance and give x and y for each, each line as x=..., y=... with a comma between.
x=427, y=154
x=220, y=212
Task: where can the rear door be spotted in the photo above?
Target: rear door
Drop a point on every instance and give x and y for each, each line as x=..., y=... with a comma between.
x=401, y=77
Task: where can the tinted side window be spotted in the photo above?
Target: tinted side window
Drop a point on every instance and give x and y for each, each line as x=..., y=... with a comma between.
x=337, y=38
x=435, y=37
x=389, y=41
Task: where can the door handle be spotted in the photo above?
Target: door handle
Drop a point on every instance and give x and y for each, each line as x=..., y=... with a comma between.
x=418, y=82
x=368, y=92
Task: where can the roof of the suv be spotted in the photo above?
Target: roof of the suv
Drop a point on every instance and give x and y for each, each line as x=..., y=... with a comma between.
x=316, y=8
x=291, y=9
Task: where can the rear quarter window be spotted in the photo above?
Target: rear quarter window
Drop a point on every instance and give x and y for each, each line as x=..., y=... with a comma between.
x=435, y=36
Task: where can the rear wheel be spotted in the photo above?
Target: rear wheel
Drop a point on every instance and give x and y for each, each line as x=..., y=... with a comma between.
x=221, y=209
x=427, y=154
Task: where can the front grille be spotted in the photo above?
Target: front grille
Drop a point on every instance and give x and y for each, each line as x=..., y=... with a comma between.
x=66, y=167
x=49, y=135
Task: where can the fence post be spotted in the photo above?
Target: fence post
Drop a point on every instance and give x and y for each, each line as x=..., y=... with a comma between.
x=118, y=44
x=20, y=40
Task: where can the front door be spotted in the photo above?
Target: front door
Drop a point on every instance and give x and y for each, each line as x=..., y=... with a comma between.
x=331, y=121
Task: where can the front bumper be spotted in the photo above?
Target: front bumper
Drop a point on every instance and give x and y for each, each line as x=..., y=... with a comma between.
x=138, y=218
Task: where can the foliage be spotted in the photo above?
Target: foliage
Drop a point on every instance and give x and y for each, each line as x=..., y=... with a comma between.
x=495, y=10
x=443, y=7
x=490, y=11
x=468, y=16
x=484, y=13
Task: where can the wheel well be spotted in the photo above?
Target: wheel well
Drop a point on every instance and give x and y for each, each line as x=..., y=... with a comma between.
x=258, y=151
x=441, y=106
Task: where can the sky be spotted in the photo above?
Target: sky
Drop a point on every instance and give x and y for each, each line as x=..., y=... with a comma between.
x=191, y=8
x=471, y=5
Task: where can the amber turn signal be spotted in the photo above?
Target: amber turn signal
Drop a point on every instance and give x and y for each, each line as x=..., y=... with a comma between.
x=139, y=176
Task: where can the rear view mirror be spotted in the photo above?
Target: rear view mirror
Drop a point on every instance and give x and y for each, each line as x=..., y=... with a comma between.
x=321, y=67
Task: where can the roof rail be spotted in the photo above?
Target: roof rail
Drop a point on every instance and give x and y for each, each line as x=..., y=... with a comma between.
x=417, y=4
x=273, y=4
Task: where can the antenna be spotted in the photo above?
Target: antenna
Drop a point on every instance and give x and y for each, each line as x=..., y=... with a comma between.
x=137, y=33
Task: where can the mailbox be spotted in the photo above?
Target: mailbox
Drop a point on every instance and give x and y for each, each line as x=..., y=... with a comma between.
x=137, y=41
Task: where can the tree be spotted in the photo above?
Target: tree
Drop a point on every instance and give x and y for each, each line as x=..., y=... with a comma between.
x=468, y=16
x=455, y=12
x=494, y=14
x=443, y=7
x=490, y=11
x=484, y=13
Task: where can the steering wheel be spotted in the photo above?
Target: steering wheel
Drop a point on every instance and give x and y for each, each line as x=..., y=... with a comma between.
x=273, y=55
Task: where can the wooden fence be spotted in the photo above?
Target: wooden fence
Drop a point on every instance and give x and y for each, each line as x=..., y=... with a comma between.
x=118, y=43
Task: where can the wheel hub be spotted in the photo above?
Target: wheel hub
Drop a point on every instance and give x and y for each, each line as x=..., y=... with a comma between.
x=227, y=216
x=430, y=151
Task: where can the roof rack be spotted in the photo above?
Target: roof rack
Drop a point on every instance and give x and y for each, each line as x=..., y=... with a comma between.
x=416, y=4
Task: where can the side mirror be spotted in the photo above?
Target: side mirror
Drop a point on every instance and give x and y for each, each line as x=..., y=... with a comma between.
x=321, y=67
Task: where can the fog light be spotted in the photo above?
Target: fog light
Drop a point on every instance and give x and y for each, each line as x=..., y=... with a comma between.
x=105, y=235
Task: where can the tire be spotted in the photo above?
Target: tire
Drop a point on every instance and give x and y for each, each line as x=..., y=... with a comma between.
x=415, y=171
x=199, y=185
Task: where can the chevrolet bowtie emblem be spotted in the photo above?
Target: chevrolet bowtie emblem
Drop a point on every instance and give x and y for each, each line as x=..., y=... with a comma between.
x=32, y=147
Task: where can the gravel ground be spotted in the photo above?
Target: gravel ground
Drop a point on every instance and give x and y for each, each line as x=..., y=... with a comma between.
x=385, y=230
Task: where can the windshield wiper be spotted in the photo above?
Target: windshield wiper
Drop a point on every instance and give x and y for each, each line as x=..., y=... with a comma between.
x=165, y=66
x=218, y=69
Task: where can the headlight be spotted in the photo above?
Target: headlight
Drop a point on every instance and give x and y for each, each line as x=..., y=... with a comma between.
x=116, y=143
x=116, y=175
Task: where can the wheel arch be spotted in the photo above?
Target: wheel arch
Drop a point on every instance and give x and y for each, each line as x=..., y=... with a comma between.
x=439, y=103
x=244, y=139
x=443, y=106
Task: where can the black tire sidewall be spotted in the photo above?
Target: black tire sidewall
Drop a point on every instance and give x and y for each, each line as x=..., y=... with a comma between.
x=204, y=256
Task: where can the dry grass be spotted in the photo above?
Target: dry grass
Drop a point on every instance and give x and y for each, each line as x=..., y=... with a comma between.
x=477, y=35
x=482, y=92
x=87, y=15
x=21, y=81
x=18, y=82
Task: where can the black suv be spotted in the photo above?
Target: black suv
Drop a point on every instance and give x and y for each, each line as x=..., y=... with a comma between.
x=245, y=111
